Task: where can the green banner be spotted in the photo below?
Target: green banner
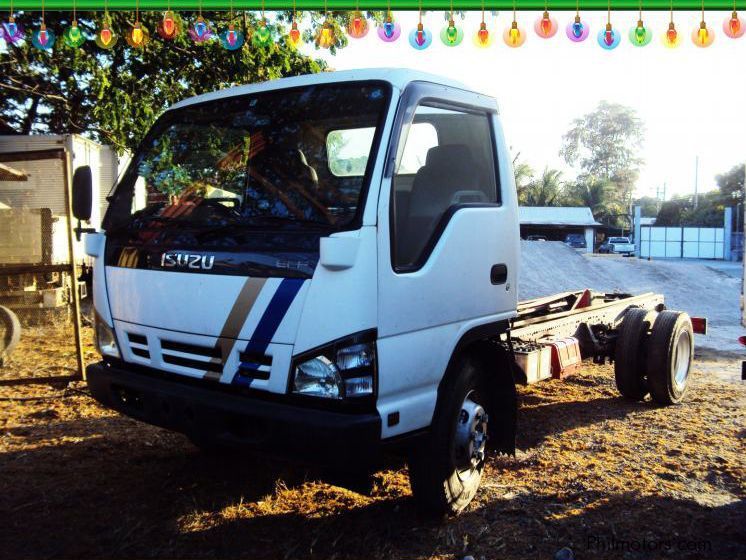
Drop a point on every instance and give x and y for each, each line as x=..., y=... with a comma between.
x=271, y=5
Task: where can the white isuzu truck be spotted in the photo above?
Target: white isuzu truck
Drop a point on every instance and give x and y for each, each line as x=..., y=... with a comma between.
x=326, y=266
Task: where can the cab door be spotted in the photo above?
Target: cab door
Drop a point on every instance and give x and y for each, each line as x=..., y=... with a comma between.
x=447, y=244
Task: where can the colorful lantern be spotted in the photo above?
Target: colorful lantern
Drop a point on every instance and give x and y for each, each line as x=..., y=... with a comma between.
x=357, y=27
x=200, y=31
x=671, y=37
x=106, y=38
x=73, y=36
x=43, y=38
x=734, y=26
x=703, y=36
x=325, y=36
x=514, y=36
x=420, y=38
x=294, y=35
x=578, y=30
x=11, y=31
x=137, y=36
x=483, y=38
x=640, y=35
x=546, y=26
x=262, y=36
x=231, y=39
x=390, y=30
x=609, y=38
x=450, y=34
x=168, y=27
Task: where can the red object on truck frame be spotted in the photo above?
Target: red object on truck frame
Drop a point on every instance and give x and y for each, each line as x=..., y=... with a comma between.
x=565, y=356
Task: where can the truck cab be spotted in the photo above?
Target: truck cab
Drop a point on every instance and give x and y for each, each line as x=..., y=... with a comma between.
x=299, y=263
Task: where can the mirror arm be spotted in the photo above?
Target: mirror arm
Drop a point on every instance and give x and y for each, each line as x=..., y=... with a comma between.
x=79, y=230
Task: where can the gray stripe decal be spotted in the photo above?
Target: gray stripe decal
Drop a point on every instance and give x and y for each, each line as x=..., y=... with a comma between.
x=235, y=321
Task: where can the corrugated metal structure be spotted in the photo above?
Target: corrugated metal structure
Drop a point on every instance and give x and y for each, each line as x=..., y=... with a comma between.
x=555, y=222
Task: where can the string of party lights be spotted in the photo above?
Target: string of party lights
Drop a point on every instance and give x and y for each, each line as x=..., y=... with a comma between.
x=264, y=36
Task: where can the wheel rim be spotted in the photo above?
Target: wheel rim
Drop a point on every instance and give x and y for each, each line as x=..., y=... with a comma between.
x=471, y=436
x=682, y=360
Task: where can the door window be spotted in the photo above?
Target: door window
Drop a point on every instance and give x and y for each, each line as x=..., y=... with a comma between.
x=447, y=160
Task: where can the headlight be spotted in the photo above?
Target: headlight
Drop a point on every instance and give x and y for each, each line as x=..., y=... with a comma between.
x=342, y=370
x=106, y=341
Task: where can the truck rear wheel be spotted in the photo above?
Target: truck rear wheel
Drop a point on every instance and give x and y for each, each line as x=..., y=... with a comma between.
x=446, y=470
x=10, y=332
x=669, y=357
x=629, y=354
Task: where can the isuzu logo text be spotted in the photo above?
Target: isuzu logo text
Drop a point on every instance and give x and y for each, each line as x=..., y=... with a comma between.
x=185, y=260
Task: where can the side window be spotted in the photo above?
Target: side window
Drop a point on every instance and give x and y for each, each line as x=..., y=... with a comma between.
x=448, y=159
x=348, y=150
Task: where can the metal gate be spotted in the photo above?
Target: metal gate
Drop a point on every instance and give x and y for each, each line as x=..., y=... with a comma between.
x=682, y=242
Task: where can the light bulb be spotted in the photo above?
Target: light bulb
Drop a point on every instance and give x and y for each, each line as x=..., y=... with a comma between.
x=325, y=37
x=577, y=31
x=262, y=36
x=106, y=38
x=11, y=31
x=671, y=38
x=734, y=26
x=138, y=36
x=357, y=28
x=231, y=39
x=294, y=35
x=703, y=36
x=420, y=38
x=72, y=36
x=168, y=28
x=640, y=35
x=483, y=38
x=200, y=32
x=546, y=26
x=389, y=31
x=514, y=36
x=43, y=38
x=451, y=35
x=609, y=38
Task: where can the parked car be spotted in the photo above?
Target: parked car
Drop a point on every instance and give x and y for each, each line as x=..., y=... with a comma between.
x=618, y=245
x=536, y=238
x=575, y=240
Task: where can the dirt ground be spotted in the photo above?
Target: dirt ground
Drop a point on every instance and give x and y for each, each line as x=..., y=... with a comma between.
x=605, y=477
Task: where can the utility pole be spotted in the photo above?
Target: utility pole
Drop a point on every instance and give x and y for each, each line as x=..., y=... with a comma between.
x=696, y=181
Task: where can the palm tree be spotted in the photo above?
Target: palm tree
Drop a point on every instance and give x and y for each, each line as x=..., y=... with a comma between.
x=546, y=190
x=597, y=194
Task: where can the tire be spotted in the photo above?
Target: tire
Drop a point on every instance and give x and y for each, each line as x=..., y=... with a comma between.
x=629, y=354
x=444, y=478
x=11, y=331
x=669, y=357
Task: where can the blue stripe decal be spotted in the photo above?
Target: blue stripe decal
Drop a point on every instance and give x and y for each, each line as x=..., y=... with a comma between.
x=270, y=321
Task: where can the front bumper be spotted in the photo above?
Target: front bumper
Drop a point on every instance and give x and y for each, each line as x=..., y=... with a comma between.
x=208, y=412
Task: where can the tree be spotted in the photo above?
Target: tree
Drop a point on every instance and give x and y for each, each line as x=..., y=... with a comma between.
x=114, y=96
x=604, y=145
x=545, y=190
x=731, y=183
x=598, y=195
x=524, y=176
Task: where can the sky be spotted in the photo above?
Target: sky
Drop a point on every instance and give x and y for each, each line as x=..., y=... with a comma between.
x=691, y=100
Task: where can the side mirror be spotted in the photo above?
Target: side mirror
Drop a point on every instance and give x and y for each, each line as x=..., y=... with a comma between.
x=82, y=197
x=82, y=193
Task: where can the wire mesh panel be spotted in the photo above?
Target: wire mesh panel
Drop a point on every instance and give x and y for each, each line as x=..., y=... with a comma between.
x=38, y=284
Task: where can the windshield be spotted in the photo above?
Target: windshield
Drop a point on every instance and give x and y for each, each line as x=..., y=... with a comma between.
x=619, y=240
x=296, y=158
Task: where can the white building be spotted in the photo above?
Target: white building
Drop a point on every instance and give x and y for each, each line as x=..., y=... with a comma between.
x=555, y=222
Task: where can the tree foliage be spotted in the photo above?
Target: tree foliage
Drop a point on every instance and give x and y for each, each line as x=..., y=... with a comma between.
x=114, y=96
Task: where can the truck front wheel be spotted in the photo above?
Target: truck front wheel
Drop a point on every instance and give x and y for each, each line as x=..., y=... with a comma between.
x=446, y=469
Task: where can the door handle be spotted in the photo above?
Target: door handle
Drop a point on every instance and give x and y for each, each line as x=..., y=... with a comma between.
x=499, y=274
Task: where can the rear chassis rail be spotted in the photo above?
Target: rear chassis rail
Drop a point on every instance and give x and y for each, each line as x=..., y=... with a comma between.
x=591, y=317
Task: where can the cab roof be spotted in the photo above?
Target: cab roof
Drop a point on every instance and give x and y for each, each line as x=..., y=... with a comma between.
x=397, y=77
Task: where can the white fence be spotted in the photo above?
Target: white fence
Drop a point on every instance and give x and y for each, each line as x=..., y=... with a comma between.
x=682, y=242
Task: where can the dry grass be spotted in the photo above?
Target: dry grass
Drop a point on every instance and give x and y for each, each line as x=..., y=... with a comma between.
x=77, y=480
